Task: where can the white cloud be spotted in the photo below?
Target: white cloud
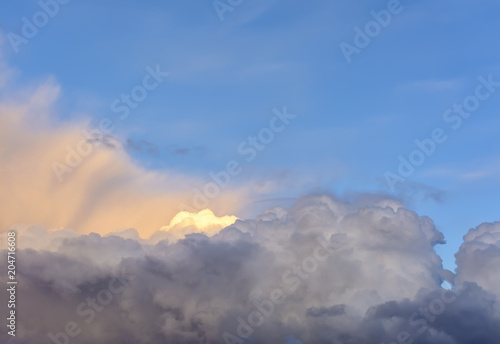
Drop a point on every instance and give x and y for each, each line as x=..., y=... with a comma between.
x=479, y=256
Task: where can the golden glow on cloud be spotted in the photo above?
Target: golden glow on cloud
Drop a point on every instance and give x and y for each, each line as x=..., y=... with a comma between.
x=204, y=221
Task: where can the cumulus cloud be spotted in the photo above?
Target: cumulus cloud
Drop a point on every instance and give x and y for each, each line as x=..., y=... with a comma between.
x=322, y=271
x=479, y=256
x=186, y=222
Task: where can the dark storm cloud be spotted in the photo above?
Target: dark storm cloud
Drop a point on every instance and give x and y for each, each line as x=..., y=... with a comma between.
x=326, y=311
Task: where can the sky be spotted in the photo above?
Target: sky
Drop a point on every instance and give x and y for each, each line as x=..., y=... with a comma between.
x=130, y=117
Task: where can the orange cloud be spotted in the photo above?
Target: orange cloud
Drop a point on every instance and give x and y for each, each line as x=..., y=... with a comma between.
x=106, y=191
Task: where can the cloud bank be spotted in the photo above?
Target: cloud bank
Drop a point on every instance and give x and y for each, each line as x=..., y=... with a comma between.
x=322, y=271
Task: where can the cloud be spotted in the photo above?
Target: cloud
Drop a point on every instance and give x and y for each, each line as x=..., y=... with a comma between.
x=478, y=256
x=62, y=175
x=141, y=146
x=203, y=220
x=337, y=271
x=175, y=150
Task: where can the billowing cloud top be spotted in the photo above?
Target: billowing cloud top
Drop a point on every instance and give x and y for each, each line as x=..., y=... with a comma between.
x=479, y=256
x=204, y=221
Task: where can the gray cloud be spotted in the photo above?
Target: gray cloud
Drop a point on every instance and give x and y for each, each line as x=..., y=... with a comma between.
x=357, y=272
x=198, y=151
x=479, y=256
x=147, y=147
x=142, y=146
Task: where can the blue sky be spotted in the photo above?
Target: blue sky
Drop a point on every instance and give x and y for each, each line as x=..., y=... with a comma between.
x=226, y=77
